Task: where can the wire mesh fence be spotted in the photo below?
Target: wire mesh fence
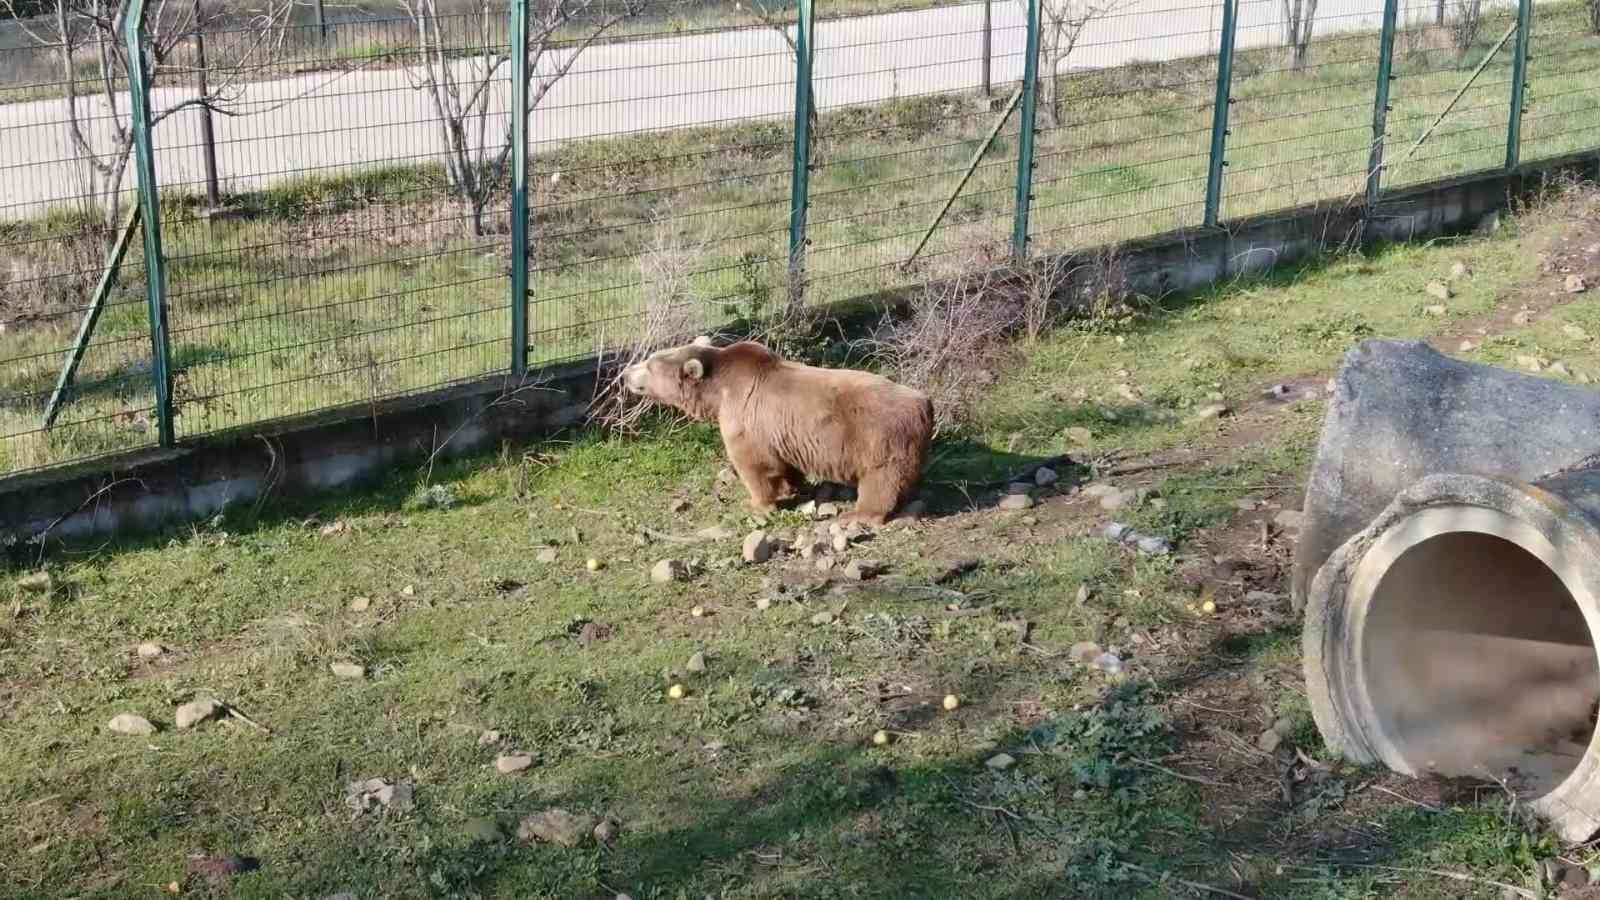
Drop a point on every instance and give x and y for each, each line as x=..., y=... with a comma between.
x=337, y=196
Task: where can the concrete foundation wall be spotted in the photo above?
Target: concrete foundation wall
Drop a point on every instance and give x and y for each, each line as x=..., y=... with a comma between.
x=337, y=448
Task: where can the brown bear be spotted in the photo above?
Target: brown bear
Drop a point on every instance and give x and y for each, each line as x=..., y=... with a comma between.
x=783, y=422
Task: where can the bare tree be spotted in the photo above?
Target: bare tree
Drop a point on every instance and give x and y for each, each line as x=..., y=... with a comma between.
x=460, y=87
x=1061, y=26
x=1592, y=7
x=89, y=28
x=1466, y=24
x=1298, y=18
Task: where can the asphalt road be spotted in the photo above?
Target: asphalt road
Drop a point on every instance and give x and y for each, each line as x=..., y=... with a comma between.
x=324, y=122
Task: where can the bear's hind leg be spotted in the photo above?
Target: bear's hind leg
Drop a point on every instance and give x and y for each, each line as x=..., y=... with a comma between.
x=878, y=494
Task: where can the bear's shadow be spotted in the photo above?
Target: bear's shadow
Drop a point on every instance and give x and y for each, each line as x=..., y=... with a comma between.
x=963, y=475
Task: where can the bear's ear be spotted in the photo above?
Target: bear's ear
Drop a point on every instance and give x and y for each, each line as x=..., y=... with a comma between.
x=703, y=340
x=694, y=369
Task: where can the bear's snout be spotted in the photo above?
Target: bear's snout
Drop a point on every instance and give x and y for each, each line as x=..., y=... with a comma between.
x=634, y=378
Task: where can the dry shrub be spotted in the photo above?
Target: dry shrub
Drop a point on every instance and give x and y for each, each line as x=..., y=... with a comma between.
x=673, y=308
x=1465, y=24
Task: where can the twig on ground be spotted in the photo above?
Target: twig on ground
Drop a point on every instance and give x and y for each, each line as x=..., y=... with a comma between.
x=1399, y=796
x=1178, y=775
x=235, y=713
x=1192, y=885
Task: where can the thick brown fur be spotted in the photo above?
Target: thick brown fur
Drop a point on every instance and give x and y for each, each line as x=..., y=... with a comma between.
x=784, y=422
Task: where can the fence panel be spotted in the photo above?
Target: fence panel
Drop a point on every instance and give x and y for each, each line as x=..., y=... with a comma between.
x=1302, y=116
x=66, y=181
x=1434, y=66
x=1123, y=149
x=1562, y=111
x=660, y=182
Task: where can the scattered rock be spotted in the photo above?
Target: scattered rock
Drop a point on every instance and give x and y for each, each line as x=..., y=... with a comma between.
x=1150, y=544
x=131, y=725
x=1575, y=332
x=546, y=555
x=488, y=738
x=409, y=590
x=860, y=570
x=1439, y=290
x=822, y=618
x=677, y=506
x=1466, y=347
x=696, y=664
x=512, y=763
x=1460, y=270
x=556, y=826
x=1291, y=519
x=347, y=670
x=377, y=793
x=1531, y=363
x=808, y=509
x=1109, y=663
x=36, y=583
x=825, y=563
x=827, y=510
x=1269, y=740
x=1000, y=762
x=1523, y=318
x=1279, y=392
x=757, y=547
x=763, y=603
x=1079, y=435
x=840, y=543
x=1436, y=310
x=482, y=830
x=1575, y=284
x=360, y=604
x=1116, y=499
x=194, y=712
x=605, y=831
x=150, y=650
x=1044, y=476
x=1126, y=392
x=1085, y=652
x=593, y=633
x=1082, y=596
x=1016, y=501
x=669, y=570
x=1211, y=411
x=1559, y=369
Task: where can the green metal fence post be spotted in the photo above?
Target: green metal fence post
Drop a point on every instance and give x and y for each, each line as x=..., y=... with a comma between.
x=131, y=26
x=1030, y=95
x=519, y=186
x=1219, y=111
x=1519, y=82
x=800, y=176
x=1380, y=101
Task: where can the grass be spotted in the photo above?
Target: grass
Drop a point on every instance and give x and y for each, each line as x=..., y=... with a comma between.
x=762, y=782
x=346, y=288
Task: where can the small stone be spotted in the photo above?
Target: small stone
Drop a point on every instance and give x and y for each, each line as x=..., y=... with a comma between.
x=1575, y=284
x=1575, y=332
x=1269, y=740
x=1292, y=519
x=669, y=570
x=36, y=583
x=1044, y=476
x=1211, y=411
x=822, y=618
x=347, y=670
x=1531, y=363
x=556, y=826
x=360, y=604
x=1029, y=521
x=1082, y=596
x=952, y=702
x=696, y=664
x=1084, y=652
x=1466, y=347
x=1153, y=545
x=130, y=724
x=409, y=590
x=1523, y=318
x=150, y=650
x=827, y=510
x=488, y=738
x=825, y=563
x=1436, y=310
x=697, y=611
x=677, y=506
x=1079, y=435
x=593, y=565
x=482, y=830
x=763, y=603
x=1460, y=270
x=1439, y=290
x=1000, y=762
x=546, y=555
x=1016, y=501
x=512, y=763
x=194, y=712
x=858, y=570
x=840, y=543
x=1126, y=392
x=605, y=831
x=677, y=692
x=757, y=547
x=1559, y=370
x=808, y=509
x=1583, y=378
x=1109, y=663
x=1117, y=499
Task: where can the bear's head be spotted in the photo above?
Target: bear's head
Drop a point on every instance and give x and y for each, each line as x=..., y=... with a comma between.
x=676, y=377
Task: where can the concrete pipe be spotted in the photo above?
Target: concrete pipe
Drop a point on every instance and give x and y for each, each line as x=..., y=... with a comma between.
x=1455, y=635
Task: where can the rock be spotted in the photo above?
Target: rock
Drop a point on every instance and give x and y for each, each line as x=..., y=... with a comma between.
x=1154, y=545
x=1000, y=762
x=546, y=555
x=763, y=603
x=840, y=543
x=360, y=604
x=556, y=826
x=605, y=831
x=677, y=506
x=669, y=570
x=397, y=797
x=409, y=590
x=1082, y=596
x=822, y=618
x=1109, y=663
x=827, y=510
x=131, y=725
x=1085, y=652
x=696, y=664
x=512, y=763
x=36, y=583
x=1523, y=318
x=1079, y=435
x=1575, y=332
x=1466, y=347
x=1439, y=290
x=726, y=476
x=1437, y=310
x=808, y=509
x=1575, y=284
x=1211, y=411
x=1116, y=499
x=1559, y=370
x=488, y=738
x=593, y=633
x=150, y=650
x=194, y=712
x=347, y=670
x=482, y=829
x=825, y=563
x=1044, y=476
x=1269, y=740
x=757, y=547
x=1126, y=392
x=1460, y=270
x=859, y=570
x=1489, y=224
x=1531, y=363
x=363, y=796
x=1291, y=519
x=1016, y=501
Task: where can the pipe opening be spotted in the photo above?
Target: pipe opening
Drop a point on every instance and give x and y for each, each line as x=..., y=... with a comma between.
x=1479, y=662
